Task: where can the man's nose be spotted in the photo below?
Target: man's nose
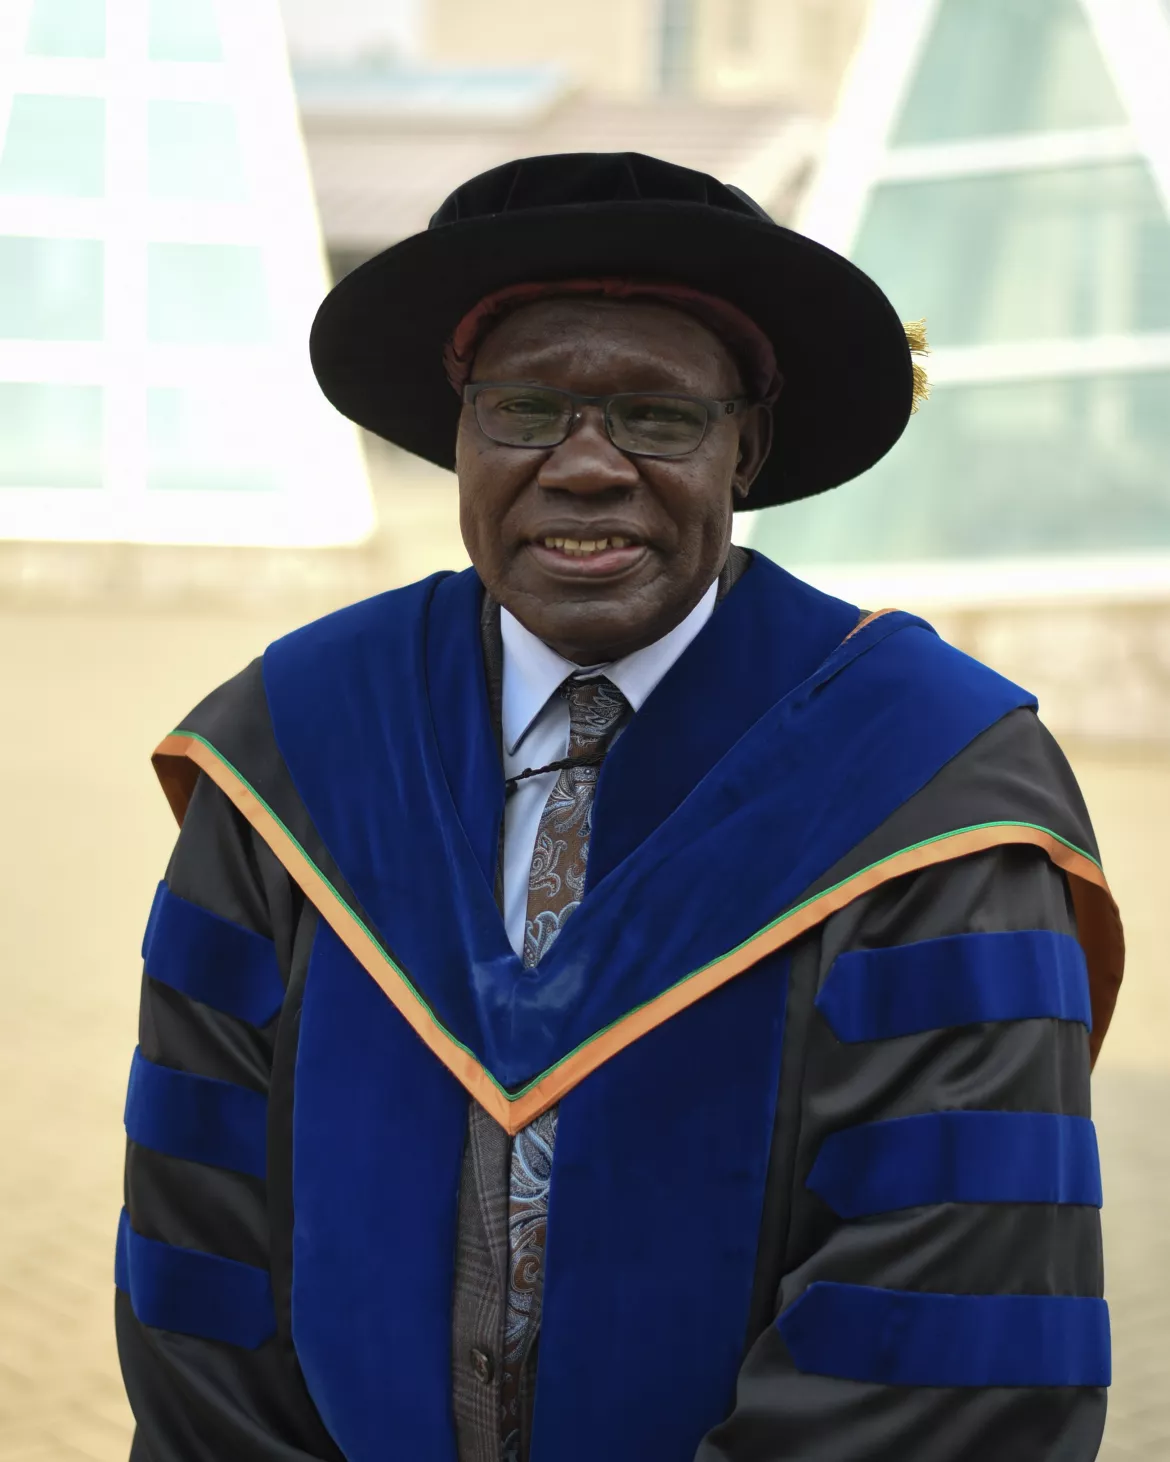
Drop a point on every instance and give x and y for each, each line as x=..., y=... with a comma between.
x=587, y=462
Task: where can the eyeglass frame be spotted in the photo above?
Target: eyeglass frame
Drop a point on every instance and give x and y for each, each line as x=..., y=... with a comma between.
x=715, y=409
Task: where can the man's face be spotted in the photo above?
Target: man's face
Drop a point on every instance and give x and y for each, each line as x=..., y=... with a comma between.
x=674, y=513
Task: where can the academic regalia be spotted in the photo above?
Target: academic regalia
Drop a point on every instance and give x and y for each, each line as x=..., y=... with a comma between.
x=820, y=1032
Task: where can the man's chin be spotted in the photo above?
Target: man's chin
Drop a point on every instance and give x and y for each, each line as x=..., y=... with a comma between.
x=598, y=629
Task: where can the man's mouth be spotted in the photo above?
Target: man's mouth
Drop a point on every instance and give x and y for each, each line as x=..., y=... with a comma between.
x=599, y=557
x=583, y=547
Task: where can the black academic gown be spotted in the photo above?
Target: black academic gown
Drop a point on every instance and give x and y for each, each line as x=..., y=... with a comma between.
x=826, y=1185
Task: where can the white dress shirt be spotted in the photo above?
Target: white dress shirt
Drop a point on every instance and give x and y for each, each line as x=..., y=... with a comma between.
x=535, y=725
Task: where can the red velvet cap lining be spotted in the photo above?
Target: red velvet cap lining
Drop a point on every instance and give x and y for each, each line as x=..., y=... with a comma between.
x=747, y=342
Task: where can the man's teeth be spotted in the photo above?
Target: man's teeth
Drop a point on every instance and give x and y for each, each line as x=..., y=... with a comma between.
x=582, y=546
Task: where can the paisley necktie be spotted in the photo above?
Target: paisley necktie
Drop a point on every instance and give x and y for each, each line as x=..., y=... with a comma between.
x=555, y=887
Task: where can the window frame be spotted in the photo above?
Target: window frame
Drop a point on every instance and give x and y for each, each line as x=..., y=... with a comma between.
x=307, y=438
x=859, y=156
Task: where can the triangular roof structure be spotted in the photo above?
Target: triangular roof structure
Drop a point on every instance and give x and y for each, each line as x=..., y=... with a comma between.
x=160, y=262
x=1003, y=169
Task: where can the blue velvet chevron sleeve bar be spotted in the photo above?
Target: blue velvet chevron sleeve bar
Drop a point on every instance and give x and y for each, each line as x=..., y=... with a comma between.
x=211, y=959
x=196, y=1117
x=900, y=1338
x=958, y=1157
x=1028, y=974
x=192, y=1293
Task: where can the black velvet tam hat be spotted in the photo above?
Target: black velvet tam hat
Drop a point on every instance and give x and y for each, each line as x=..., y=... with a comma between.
x=378, y=340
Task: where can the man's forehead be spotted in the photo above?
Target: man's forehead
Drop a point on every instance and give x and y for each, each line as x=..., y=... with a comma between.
x=637, y=327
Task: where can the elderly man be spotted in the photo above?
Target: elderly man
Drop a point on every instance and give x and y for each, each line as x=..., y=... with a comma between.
x=618, y=1001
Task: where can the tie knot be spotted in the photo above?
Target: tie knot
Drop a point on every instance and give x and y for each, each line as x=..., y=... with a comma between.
x=595, y=708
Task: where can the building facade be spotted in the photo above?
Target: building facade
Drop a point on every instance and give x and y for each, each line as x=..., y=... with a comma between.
x=1004, y=170
x=718, y=50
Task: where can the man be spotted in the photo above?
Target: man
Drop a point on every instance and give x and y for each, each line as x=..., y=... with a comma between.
x=618, y=1001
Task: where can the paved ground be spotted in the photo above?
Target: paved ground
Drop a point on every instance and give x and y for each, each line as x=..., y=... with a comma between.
x=85, y=836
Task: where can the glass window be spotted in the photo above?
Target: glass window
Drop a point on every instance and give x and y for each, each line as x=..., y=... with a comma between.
x=992, y=67
x=75, y=28
x=676, y=45
x=194, y=152
x=55, y=146
x=51, y=289
x=1064, y=252
x=205, y=440
x=206, y=294
x=184, y=30
x=50, y=436
x=1036, y=467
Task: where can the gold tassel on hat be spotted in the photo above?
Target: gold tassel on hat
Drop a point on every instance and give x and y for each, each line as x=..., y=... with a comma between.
x=916, y=339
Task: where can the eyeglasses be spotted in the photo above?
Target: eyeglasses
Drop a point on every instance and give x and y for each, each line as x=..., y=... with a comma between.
x=645, y=424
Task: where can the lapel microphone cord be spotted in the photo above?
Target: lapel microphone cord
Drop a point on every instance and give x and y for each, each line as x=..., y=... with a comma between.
x=590, y=759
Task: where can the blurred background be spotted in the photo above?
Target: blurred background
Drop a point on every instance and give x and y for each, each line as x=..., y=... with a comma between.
x=180, y=180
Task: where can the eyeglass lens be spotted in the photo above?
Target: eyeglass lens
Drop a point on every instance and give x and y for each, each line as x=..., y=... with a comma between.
x=663, y=426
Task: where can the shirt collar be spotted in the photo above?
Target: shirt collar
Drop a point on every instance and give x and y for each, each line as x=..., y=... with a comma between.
x=533, y=672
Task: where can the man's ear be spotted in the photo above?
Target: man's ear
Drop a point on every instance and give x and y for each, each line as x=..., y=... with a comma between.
x=755, y=443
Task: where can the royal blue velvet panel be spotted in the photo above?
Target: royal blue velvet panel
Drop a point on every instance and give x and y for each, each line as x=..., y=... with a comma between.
x=964, y=979
x=196, y=1117
x=380, y=711
x=907, y=1338
x=740, y=671
x=211, y=960
x=378, y=1133
x=193, y=1293
x=650, y=1262
x=958, y=1157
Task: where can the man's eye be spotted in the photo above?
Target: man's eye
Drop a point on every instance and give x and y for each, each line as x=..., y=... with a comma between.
x=663, y=413
x=528, y=406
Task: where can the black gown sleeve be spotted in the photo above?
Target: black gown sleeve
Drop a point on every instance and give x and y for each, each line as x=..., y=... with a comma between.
x=201, y=1315
x=933, y=1173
